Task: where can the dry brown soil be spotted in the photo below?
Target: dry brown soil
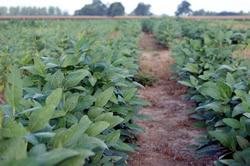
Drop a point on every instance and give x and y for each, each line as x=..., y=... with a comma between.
x=171, y=129
x=114, y=34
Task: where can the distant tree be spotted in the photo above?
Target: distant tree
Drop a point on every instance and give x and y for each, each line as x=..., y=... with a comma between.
x=44, y=11
x=116, y=9
x=65, y=13
x=3, y=11
x=14, y=11
x=225, y=13
x=200, y=12
x=142, y=10
x=52, y=11
x=58, y=11
x=183, y=9
x=97, y=8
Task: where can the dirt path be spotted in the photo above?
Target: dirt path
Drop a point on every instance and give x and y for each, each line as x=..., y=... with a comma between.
x=171, y=131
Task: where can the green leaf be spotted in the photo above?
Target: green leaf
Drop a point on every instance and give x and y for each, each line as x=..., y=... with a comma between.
x=54, y=157
x=209, y=89
x=244, y=144
x=39, y=66
x=91, y=142
x=97, y=128
x=135, y=127
x=246, y=154
x=230, y=79
x=113, y=137
x=37, y=150
x=94, y=112
x=71, y=118
x=108, y=117
x=71, y=102
x=56, y=80
x=194, y=81
x=224, y=90
x=67, y=135
x=137, y=101
x=13, y=149
x=115, y=121
x=217, y=106
x=232, y=122
x=92, y=80
x=222, y=137
x=191, y=147
x=28, y=161
x=188, y=84
x=54, y=98
x=58, y=114
x=14, y=88
x=75, y=78
x=128, y=94
x=69, y=60
x=226, y=67
x=200, y=125
x=95, y=159
x=123, y=147
x=103, y=98
x=85, y=102
x=78, y=160
x=193, y=68
x=237, y=110
x=13, y=129
x=247, y=125
x=40, y=118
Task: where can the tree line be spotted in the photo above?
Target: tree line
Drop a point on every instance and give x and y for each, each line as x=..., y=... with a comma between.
x=32, y=11
x=184, y=9
x=97, y=8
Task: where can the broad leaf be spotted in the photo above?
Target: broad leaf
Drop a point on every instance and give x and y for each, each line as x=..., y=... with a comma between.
x=104, y=97
x=40, y=118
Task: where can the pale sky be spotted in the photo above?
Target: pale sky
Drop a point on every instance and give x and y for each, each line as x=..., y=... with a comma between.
x=157, y=6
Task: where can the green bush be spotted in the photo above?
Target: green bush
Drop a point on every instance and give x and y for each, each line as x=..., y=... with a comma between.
x=145, y=79
x=167, y=30
x=147, y=25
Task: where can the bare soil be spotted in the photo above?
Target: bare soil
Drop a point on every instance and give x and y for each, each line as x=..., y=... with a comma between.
x=114, y=34
x=171, y=130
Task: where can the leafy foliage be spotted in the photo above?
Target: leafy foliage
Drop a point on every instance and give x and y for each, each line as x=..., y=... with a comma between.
x=219, y=85
x=97, y=8
x=145, y=79
x=116, y=9
x=167, y=30
x=75, y=109
x=44, y=38
x=142, y=10
x=183, y=8
x=148, y=25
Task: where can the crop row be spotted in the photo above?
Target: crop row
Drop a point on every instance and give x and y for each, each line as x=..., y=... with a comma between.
x=210, y=61
x=74, y=109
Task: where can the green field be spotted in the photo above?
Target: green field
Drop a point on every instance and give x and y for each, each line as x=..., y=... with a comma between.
x=72, y=99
